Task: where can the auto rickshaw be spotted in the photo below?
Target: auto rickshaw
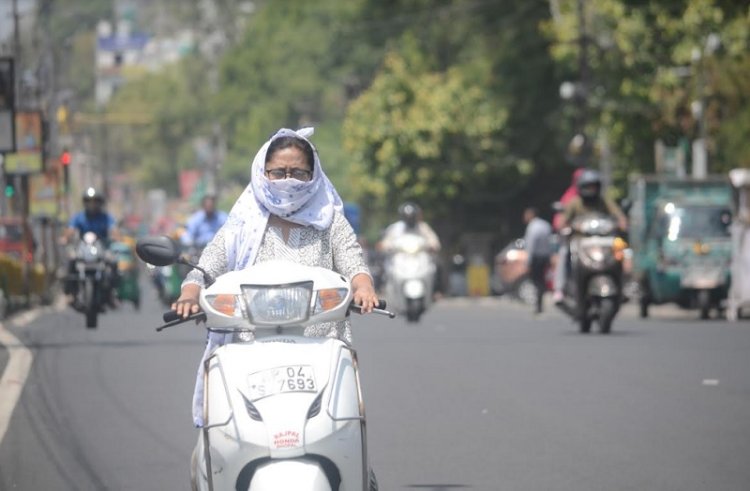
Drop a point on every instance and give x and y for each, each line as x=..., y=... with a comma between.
x=128, y=288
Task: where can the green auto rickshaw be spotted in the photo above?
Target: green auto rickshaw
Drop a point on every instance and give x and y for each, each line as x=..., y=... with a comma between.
x=128, y=288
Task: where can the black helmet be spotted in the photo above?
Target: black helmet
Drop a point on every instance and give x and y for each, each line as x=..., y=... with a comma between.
x=409, y=213
x=92, y=194
x=589, y=184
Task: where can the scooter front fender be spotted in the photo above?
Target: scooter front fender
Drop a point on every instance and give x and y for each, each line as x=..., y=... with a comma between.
x=302, y=475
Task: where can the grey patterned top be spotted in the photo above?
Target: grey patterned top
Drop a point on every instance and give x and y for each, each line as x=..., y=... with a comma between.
x=335, y=248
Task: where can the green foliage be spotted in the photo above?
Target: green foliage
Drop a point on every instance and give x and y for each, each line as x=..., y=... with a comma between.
x=424, y=135
x=174, y=102
x=453, y=103
x=68, y=30
x=650, y=61
x=293, y=68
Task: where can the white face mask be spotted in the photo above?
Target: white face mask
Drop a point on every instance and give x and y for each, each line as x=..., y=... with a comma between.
x=284, y=197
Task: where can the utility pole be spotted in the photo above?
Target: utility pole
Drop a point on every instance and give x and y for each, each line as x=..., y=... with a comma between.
x=16, y=47
x=583, y=85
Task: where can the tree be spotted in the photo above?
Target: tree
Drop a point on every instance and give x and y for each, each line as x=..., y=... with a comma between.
x=651, y=62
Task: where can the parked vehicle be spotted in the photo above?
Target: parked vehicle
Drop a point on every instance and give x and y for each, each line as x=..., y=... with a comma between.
x=679, y=231
x=593, y=290
x=16, y=238
x=410, y=276
x=90, y=278
x=281, y=410
x=22, y=278
x=128, y=284
x=510, y=275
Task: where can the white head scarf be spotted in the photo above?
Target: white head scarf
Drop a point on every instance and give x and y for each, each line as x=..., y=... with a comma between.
x=310, y=203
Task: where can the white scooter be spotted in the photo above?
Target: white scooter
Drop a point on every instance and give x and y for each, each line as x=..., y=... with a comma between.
x=281, y=410
x=410, y=276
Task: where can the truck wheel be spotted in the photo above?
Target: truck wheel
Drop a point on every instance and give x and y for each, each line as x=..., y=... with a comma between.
x=704, y=303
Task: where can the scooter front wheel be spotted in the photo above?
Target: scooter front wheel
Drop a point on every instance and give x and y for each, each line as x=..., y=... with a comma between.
x=607, y=311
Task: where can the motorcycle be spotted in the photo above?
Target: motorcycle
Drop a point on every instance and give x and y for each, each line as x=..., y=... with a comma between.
x=410, y=276
x=90, y=278
x=280, y=410
x=593, y=290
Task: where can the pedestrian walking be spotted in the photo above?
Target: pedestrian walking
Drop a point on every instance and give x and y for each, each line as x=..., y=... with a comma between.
x=539, y=249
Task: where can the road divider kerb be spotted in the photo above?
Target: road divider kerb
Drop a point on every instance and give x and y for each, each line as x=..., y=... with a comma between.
x=19, y=363
x=13, y=378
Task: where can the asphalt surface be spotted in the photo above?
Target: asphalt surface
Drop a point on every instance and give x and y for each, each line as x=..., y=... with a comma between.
x=479, y=395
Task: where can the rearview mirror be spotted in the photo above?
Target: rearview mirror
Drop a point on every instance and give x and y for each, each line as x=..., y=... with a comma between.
x=158, y=250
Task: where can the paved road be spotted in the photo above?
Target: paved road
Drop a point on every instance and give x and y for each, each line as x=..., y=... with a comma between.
x=478, y=396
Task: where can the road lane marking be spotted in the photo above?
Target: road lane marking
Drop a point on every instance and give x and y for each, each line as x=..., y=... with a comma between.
x=14, y=377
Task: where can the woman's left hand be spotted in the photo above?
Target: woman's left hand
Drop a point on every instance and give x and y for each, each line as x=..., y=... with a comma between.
x=364, y=293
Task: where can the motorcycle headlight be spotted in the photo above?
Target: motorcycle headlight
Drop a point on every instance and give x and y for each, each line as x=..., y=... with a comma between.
x=279, y=304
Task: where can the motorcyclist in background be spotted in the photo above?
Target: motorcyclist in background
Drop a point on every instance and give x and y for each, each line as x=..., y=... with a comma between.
x=203, y=224
x=94, y=219
x=410, y=222
x=590, y=199
x=570, y=193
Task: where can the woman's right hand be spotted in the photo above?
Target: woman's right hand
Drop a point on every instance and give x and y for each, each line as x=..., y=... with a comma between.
x=187, y=304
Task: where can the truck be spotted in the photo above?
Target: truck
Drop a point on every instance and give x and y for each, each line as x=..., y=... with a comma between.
x=679, y=231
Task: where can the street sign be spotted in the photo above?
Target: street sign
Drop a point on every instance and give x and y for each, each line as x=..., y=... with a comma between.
x=28, y=157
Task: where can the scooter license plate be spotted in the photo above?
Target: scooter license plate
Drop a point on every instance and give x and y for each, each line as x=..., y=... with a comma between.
x=289, y=378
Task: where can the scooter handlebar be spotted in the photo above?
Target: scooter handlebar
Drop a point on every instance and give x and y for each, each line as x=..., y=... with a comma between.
x=171, y=318
x=379, y=309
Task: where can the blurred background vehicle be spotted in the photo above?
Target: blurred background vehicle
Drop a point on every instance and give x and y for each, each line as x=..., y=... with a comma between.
x=679, y=231
x=22, y=277
x=510, y=273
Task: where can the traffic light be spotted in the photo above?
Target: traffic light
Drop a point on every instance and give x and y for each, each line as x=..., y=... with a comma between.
x=65, y=158
x=65, y=162
x=10, y=190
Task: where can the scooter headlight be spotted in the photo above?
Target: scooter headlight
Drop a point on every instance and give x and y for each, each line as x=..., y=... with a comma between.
x=279, y=304
x=414, y=289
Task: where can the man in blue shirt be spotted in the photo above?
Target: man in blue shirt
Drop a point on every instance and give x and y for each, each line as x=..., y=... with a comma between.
x=92, y=219
x=204, y=223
